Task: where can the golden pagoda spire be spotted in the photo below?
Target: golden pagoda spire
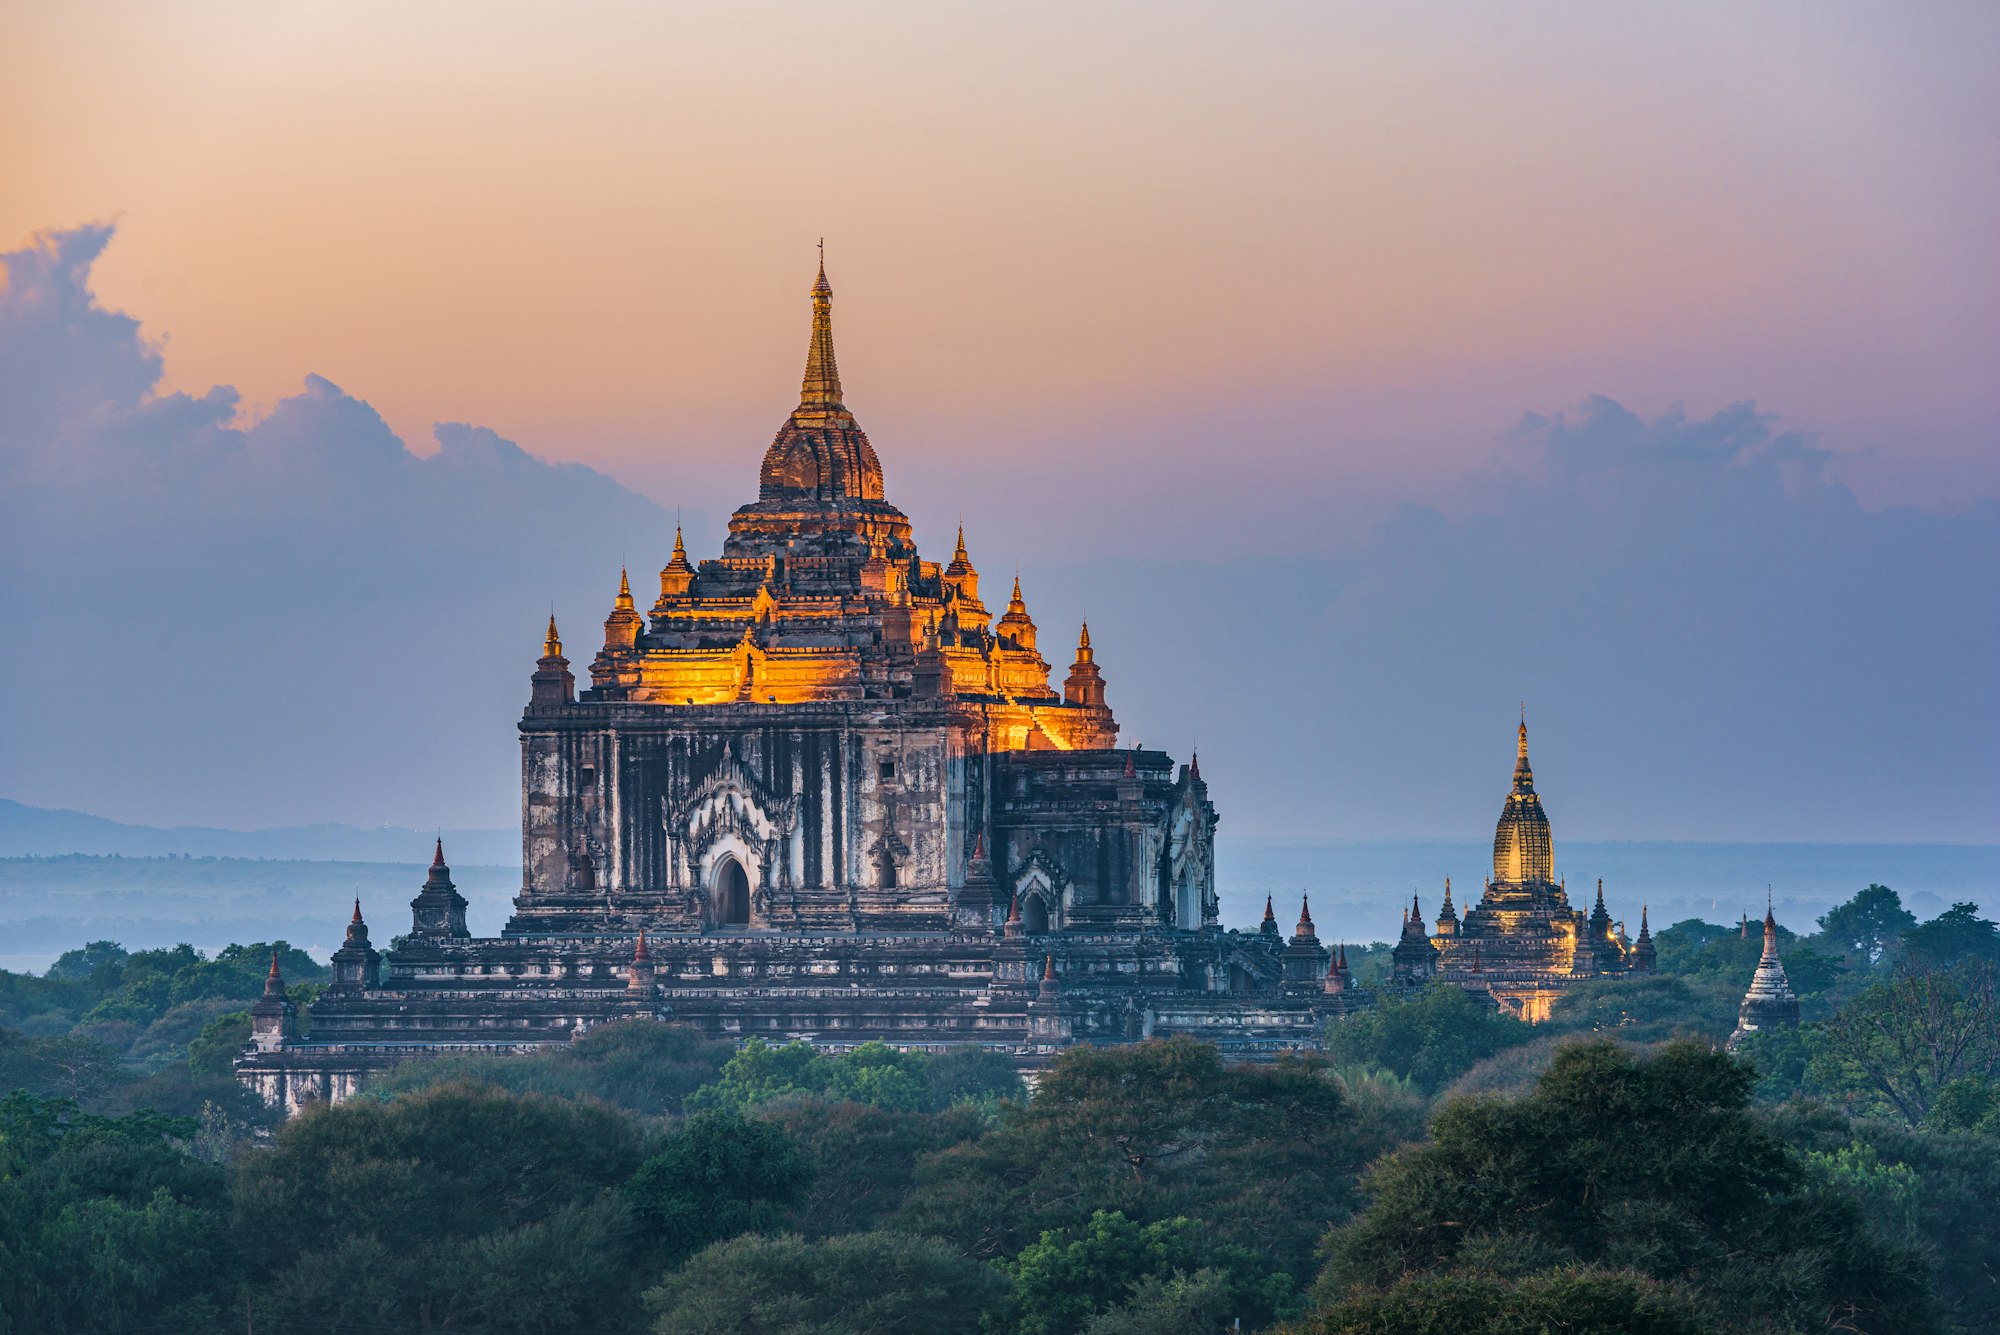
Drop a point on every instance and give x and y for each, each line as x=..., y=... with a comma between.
x=624, y=603
x=1524, y=774
x=820, y=392
x=552, y=646
x=680, y=548
x=958, y=553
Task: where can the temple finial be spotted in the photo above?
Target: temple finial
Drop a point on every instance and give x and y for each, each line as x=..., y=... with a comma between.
x=820, y=391
x=958, y=552
x=1194, y=764
x=357, y=911
x=437, y=858
x=552, y=645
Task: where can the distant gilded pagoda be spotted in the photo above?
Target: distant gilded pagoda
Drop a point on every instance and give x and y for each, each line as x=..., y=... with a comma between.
x=1522, y=942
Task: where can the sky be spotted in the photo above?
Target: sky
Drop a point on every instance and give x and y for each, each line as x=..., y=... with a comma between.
x=1364, y=371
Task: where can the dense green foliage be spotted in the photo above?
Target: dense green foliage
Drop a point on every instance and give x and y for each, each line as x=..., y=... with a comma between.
x=872, y=1073
x=1654, y=1166
x=1430, y=1037
x=1265, y=1156
x=1446, y=1168
x=639, y=1066
x=860, y=1284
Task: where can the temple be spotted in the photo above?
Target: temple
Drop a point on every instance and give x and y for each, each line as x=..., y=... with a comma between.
x=1523, y=943
x=817, y=790
x=1770, y=1003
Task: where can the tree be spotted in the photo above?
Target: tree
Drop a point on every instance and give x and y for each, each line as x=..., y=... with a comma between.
x=640, y=1065
x=1957, y=1180
x=1433, y=1036
x=861, y=1284
x=1625, y=1163
x=108, y=1224
x=1576, y=1301
x=1175, y=1305
x=1264, y=1156
x=864, y=1160
x=1953, y=937
x=872, y=1073
x=1869, y=925
x=1065, y=1280
x=405, y=1213
x=716, y=1177
x=1900, y=1043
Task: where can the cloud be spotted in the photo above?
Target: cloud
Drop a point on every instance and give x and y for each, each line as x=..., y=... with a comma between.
x=1713, y=638
x=284, y=620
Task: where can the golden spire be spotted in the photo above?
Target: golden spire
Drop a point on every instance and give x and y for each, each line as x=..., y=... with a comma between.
x=624, y=603
x=680, y=548
x=552, y=646
x=1014, y=603
x=1524, y=775
x=820, y=393
x=958, y=554
x=1083, y=637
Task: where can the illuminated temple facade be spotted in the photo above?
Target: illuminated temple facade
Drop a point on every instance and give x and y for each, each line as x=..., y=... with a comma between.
x=818, y=790
x=1523, y=943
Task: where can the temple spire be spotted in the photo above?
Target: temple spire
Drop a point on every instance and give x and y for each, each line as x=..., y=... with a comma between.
x=624, y=601
x=437, y=858
x=552, y=644
x=1524, y=774
x=820, y=392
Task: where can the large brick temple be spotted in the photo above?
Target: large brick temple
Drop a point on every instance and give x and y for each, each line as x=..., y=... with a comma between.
x=818, y=791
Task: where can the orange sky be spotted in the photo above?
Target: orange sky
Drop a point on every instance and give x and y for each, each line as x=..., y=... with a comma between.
x=1378, y=234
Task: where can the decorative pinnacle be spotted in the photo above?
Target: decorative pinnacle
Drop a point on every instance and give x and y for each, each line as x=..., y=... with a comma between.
x=357, y=912
x=1083, y=637
x=1194, y=765
x=640, y=955
x=437, y=858
x=958, y=552
x=552, y=646
x=1014, y=603
x=1305, y=927
x=624, y=603
x=1049, y=968
x=820, y=391
x=274, y=976
x=1014, y=908
x=1269, y=916
x=1600, y=892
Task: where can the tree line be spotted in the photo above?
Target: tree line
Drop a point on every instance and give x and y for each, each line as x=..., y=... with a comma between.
x=1440, y=1167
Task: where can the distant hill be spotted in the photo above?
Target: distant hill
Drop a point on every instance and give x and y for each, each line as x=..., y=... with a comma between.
x=27, y=831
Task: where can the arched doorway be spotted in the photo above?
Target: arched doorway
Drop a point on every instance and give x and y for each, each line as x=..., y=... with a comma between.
x=1034, y=915
x=732, y=894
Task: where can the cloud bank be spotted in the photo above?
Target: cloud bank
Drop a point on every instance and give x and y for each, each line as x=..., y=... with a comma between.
x=294, y=619
x=298, y=619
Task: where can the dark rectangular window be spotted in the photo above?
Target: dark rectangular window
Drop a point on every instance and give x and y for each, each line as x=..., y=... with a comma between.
x=587, y=777
x=887, y=769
